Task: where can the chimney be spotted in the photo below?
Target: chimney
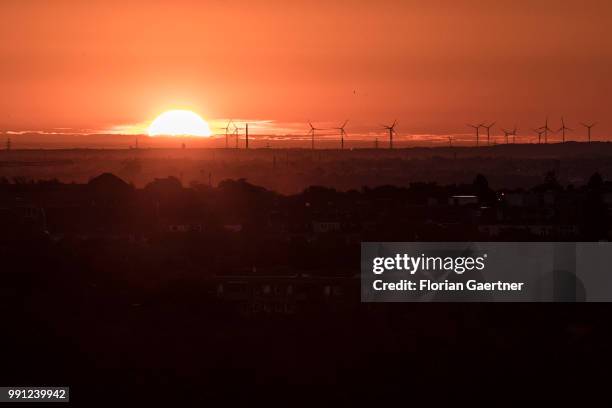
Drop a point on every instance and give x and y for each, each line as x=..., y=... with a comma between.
x=247, y=135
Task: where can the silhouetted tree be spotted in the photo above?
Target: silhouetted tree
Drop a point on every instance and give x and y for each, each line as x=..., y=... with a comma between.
x=164, y=186
x=551, y=183
x=595, y=182
x=481, y=182
x=482, y=189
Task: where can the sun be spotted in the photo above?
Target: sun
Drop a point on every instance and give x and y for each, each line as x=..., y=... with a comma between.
x=179, y=123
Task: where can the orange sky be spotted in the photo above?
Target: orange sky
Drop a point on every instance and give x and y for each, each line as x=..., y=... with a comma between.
x=433, y=65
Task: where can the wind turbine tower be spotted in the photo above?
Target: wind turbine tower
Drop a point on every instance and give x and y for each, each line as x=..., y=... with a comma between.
x=237, y=134
x=586, y=125
x=312, y=135
x=545, y=129
x=342, y=134
x=488, y=132
x=477, y=129
x=392, y=131
x=227, y=133
x=540, y=132
x=506, y=134
x=563, y=128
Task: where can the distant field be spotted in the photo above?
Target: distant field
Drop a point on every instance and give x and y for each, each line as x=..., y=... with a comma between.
x=291, y=170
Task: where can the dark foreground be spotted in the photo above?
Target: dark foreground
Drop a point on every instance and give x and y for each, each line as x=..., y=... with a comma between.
x=234, y=294
x=181, y=346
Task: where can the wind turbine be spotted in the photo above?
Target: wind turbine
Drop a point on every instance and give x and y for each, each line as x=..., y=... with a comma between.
x=450, y=141
x=488, y=132
x=477, y=129
x=236, y=133
x=227, y=133
x=507, y=133
x=342, y=134
x=312, y=134
x=563, y=128
x=391, y=130
x=545, y=129
x=514, y=135
x=539, y=132
x=588, y=129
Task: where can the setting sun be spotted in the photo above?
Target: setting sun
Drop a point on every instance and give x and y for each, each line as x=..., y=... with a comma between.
x=179, y=123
